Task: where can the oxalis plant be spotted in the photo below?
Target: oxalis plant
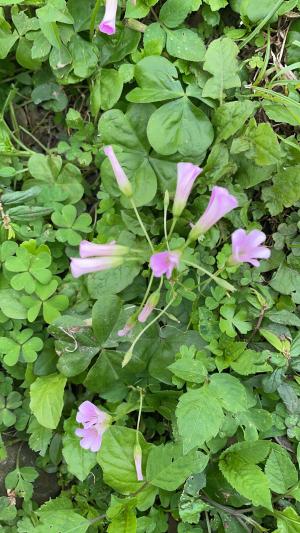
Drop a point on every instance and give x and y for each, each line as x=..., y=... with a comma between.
x=149, y=266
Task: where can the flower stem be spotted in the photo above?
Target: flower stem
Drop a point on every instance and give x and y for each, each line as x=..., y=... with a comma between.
x=217, y=280
x=142, y=224
x=147, y=292
x=174, y=222
x=140, y=414
x=166, y=204
x=129, y=354
x=93, y=19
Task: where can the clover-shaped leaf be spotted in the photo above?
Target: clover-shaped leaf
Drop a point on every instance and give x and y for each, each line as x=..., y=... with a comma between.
x=70, y=226
x=45, y=299
x=31, y=265
x=21, y=345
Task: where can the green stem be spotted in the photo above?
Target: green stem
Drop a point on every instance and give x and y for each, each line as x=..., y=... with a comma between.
x=174, y=222
x=139, y=415
x=262, y=73
x=93, y=18
x=36, y=140
x=166, y=204
x=222, y=282
x=129, y=354
x=16, y=153
x=11, y=134
x=142, y=225
x=261, y=24
x=207, y=522
x=147, y=292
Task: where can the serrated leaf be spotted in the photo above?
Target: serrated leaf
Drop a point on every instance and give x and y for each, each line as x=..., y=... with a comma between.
x=229, y=391
x=248, y=479
x=199, y=417
x=280, y=471
x=168, y=468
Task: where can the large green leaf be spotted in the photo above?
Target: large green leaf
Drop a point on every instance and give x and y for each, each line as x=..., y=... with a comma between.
x=116, y=458
x=199, y=417
x=238, y=465
x=168, y=468
x=280, y=471
x=182, y=127
x=185, y=44
x=231, y=394
x=157, y=80
x=80, y=462
x=231, y=117
x=221, y=62
x=104, y=315
x=47, y=399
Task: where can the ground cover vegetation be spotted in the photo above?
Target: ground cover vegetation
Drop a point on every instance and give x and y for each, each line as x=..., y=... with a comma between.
x=149, y=266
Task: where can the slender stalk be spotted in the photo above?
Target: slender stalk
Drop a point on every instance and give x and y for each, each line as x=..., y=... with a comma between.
x=207, y=522
x=93, y=18
x=219, y=281
x=35, y=140
x=147, y=292
x=142, y=225
x=261, y=24
x=129, y=354
x=174, y=222
x=12, y=135
x=166, y=204
x=139, y=415
x=262, y=73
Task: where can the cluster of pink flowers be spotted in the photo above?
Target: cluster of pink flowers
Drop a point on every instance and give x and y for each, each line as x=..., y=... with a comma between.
x=246, y=247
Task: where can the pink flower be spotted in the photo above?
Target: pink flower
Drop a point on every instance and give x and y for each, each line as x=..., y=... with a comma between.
x=164, y=263
x=91, y=249
x=128, y=326
x=137, y=454
x=186, y=175
x=80, y=266
x=95, y=422
x=122, y=180
x=246, y=248
x=221, y=202
x=108, y=23
x=149, y=306
x=127, y=329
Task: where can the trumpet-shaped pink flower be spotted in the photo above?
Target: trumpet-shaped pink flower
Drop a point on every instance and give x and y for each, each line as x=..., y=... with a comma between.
x=137, y=454
x=246, y=248
x=186, y=175
x=221, y=202
x=80, y=266
x=95, y=422
x=122, y=180
x=128, y=326
x=149, y=306
x=108, y=23
x=127, y=329
x=164, y=263
x=91, y=249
